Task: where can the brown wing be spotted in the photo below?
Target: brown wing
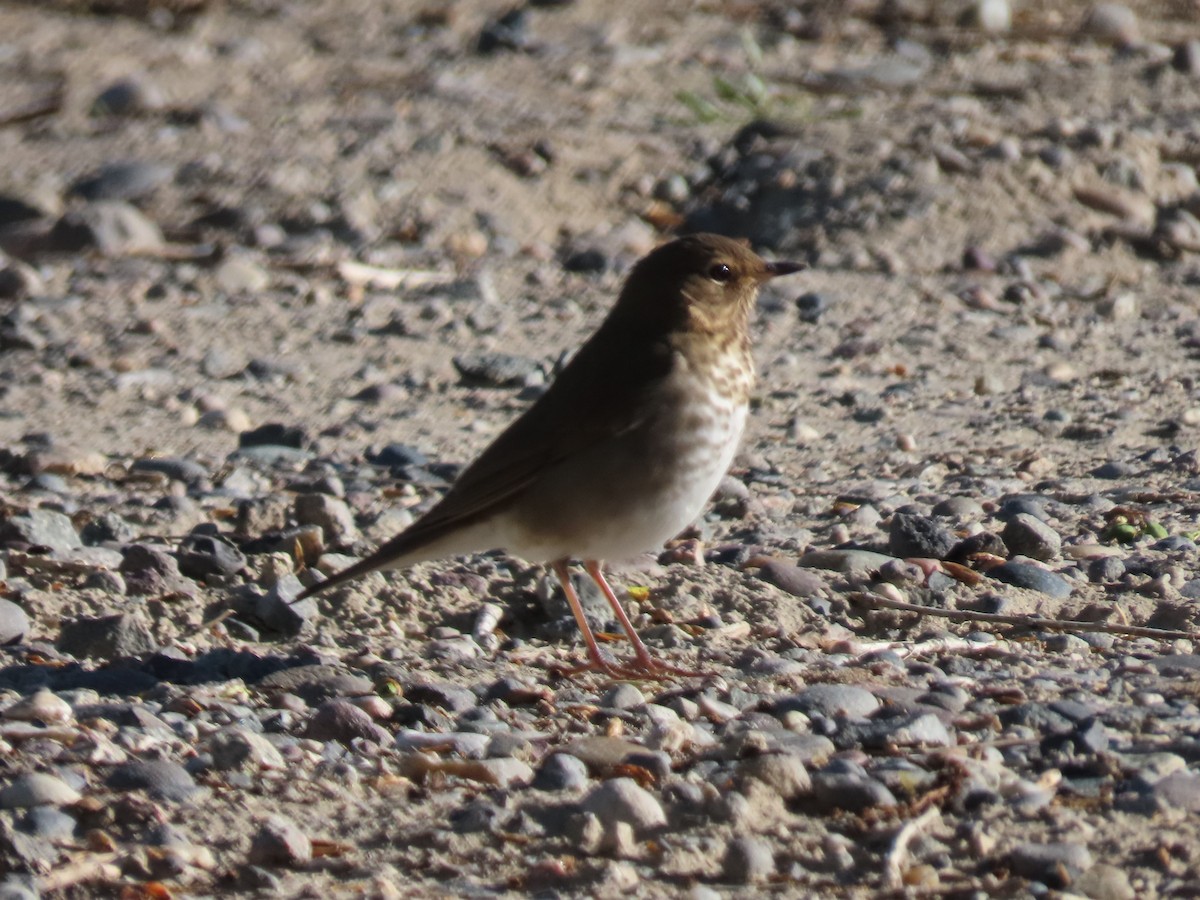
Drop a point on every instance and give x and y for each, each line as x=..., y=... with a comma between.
x=601, y=393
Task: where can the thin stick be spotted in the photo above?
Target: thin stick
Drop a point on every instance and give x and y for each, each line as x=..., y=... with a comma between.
x=863, y=598
x=897, y=857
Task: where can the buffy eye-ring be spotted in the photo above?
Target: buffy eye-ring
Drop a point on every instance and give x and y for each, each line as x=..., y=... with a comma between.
x=720, y=273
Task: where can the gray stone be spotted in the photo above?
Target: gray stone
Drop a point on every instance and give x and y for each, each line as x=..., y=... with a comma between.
x=1027, y=535
x=622, y=800
x=795, y=580
x=623, y=696
x=37, y=789
x=919, y=536
x=1031, y=577
x=106, y=637
x=49, y=823
x=833, y=700
x=1050, y=862
x=43, y=528
x=783, y=773
x=14, y=622
x=332, y=515
x=243, y=750
x=162, y=778
x=849, y=562
x=850, y=792
x=1179, y=790
x=278, y=610
x=130, y=180
x=561, y=772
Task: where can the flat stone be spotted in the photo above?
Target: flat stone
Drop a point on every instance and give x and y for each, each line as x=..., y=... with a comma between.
x=1031, y=577
x=106, y=637
x=37, y=789
x=42, y=528
x=1046, y=862
x=162, y=778
x=833, y=700
x=1029, y=536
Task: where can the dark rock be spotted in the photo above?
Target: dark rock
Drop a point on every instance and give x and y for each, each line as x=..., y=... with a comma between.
x=919, y=536
x=1031, y=577
x=316, y=683
x=105, y=637
x=275, y=434
x=340, y=720
x=277, y=610
x=589, y=261
x=850, y=792
x=509, y=32
x=812, y=306
x=202, y=555
x=161, y=778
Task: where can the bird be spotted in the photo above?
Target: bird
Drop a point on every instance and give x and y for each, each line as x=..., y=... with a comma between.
x=624, y=448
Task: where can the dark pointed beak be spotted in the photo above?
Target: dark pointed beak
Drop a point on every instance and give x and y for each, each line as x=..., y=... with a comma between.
x=775, y=269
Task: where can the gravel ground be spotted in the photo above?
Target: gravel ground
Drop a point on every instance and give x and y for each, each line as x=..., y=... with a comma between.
x=271, y=272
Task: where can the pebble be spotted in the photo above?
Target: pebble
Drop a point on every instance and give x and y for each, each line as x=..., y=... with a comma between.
x=1031, y=577
x=340, y=720
x=41, y=528
x=280, y=842
x=621, y=800
x=784, y=773
x=919, y=536
x=1049, y=862
x=1029, y=536
x=497, y=369
x=131, y=96
x=1112, y=23
x=42, y=706
x=161, y=778
x=37, y=789
x=833, y=700
x=105, y=637
x=561, y=772
x=14, y=622
x=748, y=860
x=238, y=749
x=132, y=180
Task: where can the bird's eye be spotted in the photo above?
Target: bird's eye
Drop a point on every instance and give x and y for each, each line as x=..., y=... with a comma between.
x=720, y=273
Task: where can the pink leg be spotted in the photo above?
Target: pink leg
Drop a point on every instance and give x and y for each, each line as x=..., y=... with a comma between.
x=644, y=664
x=596, y=661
